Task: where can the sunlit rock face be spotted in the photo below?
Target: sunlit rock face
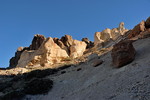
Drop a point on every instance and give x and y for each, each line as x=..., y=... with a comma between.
x=48, y=53
x=77, y=48
x=109, y=34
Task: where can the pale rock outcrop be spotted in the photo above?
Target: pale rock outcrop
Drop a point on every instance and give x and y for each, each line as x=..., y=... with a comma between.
x=97, y=39
x=61, y=44
x=52, y=53
x=115, y=33
x=48, y=53
x=121, y=28
x=77, y=48
x=108, y=34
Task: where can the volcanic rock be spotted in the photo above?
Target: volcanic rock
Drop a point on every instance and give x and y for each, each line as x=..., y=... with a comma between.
x=123, y=53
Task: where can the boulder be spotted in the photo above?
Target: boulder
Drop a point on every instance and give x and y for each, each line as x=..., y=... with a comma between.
x=48, y=53
x=137, y=29
x=77, y=48
x=37, y=41
x=147, y=23
x=123, y=53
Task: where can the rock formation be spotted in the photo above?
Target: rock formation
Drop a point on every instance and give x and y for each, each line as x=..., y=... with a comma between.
x=137, y=29
x=90, y=44
x=47, y=51
x=144, y=34
x=108, y=34
x=123, y=53
x=37, y=41
x=97, y=39
x=14, y=60
x=67, y=40
x=77, y=48
x=61, y=45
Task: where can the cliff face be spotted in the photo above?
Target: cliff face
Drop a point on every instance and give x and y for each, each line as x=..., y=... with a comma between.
x=114, y=67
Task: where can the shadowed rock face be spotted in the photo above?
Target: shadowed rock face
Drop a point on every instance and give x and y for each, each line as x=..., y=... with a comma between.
x=123, y=53
x=67, y=40
x=14, y=60
x=90, y=44
x=37, y=41
x=147, y=23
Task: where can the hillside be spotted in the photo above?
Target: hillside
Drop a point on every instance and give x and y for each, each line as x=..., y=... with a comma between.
x=113, y=67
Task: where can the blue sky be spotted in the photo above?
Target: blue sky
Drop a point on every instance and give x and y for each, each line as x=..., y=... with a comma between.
x=21, y=19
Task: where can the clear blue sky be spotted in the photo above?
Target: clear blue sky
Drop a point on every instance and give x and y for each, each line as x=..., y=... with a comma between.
x=21, y=19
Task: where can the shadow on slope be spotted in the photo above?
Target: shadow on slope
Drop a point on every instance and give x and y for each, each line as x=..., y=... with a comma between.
x=15, y=87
